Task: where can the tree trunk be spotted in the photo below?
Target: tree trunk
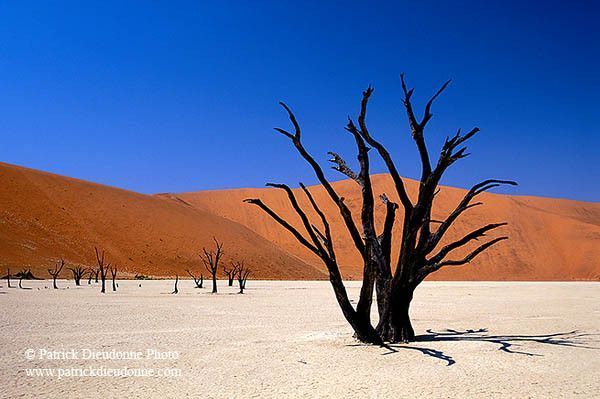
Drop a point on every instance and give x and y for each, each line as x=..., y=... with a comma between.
x=396, y=326
x=114, y=284
x=214, y=281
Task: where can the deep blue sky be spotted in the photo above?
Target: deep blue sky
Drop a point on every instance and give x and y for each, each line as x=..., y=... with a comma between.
x=180, y=96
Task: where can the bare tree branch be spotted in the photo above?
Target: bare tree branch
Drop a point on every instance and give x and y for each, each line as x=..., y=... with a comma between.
x=474, y=235
x=398, y=182
x=283, y=223
x=303, y=217
x=344, y=211
x=436, y=266
x=327, y=236
x=464, y=204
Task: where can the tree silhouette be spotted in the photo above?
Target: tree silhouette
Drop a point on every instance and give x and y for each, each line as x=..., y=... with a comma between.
x=242, y=275
x=211, y=261
x=56, y=271
x=231, y=273
x=102, y=268
x=418, y=256
x=199, y=281
x=78, y=273
x=175, y=290
x=113, y=273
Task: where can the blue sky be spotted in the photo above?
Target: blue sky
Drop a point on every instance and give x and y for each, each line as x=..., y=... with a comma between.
x=181, y=96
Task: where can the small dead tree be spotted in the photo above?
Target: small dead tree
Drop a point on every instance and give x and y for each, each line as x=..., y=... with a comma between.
x=113, y=273
x=231, y=273
x=96, y=272
x=56, y=271
x=8, y=278
x=198, y=281
x=102, y=269
x=91, y=276
x=242, y=276
x=211, y=261
x=421, y=247
x=22, y=274
x=78, y=273
x=176, y=291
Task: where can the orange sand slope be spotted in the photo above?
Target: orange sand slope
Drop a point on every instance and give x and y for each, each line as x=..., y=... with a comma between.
x=45, y=216
x=550, y=239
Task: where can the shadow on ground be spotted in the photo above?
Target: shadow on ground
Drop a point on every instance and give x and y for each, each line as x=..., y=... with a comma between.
x=506, y=343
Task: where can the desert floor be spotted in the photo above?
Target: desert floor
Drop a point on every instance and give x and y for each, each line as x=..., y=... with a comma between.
x=288, y=339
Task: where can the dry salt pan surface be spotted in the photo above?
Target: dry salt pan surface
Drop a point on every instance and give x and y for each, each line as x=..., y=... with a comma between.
x=288, y=339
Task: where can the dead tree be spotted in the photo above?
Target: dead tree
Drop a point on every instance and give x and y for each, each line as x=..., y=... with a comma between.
x=78, y=273
x=96, y=272
x=56, y=271
x=231, y=273
x=176, y=291
x=91, y=275
x=211, y=261
x=242, y=276
x=102, y=268
x=422, y=249
x=113, y=273
x=22, y=274
x=8, y=278
x=198, y=281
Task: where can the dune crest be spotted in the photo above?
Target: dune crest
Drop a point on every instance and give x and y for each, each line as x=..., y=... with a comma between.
x=550, y=239
x=45, y=216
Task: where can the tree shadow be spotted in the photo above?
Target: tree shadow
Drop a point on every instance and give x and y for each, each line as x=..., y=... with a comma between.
x=575, y=338
x=506, y=343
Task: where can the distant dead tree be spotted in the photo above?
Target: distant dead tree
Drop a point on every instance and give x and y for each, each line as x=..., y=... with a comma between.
x=176, y=291
x=91, y=275
x=78, y=272
x=420, y=246
x=198, y=281
x=242, y=276
x=211, y=261
x=113, y=273
x=231, y=273
x=24, y=274
x=56, y=271
x=8, y=278
x=102, y=268
x=96, y=272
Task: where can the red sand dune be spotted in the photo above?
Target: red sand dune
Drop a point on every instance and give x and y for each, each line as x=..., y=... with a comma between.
x=550, y=239
x=45, y=216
